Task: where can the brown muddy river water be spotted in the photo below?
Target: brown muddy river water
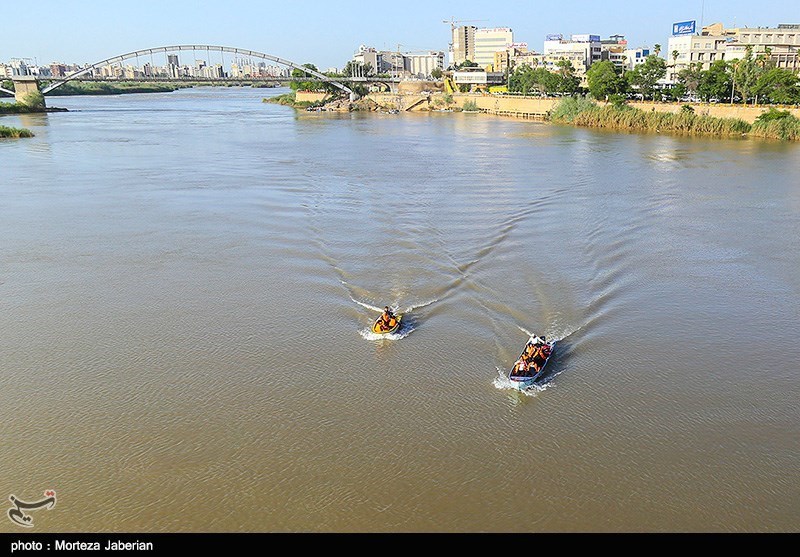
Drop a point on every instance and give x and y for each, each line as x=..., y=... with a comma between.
x=187, y=281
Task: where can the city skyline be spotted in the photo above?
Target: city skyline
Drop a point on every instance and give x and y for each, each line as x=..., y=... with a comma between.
x=328, y=35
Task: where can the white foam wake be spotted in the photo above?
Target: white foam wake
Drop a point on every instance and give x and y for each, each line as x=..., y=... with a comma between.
x=412, y=307
x=402, y=333
x=374, y=308
x=502, y=382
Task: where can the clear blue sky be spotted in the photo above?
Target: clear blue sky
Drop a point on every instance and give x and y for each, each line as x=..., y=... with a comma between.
x=327, y=33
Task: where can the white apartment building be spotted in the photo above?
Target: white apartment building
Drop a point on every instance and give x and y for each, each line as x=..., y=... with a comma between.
x=782, y=41
x=635, y=56
x=421, y=65
x=581, y=47
x=491, y=40
x=717, y=43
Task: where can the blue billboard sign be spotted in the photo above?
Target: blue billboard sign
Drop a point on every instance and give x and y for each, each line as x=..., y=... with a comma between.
x=683, y=28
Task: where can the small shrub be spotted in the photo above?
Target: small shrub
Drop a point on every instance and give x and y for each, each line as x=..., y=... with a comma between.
x=617, y=100
x=15, y=132
x=773, y=114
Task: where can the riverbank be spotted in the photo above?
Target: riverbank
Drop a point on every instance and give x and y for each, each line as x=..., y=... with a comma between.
x=674, y=118
x=772, y=124
x=19, y=108
x=6, y=132
x=104, y=88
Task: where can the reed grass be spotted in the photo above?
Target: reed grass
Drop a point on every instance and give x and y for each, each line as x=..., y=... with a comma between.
x=15, y=132
x=584, y=112
x=777, y=124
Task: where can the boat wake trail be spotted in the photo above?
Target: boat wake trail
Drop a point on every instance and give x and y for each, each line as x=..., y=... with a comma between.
x=502, y=382
x=406, y=327
x=368, y=306
x=402, y=333
x=412, y=307
x=557, y=336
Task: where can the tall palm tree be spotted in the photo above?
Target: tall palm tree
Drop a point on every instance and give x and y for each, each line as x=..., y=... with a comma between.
x=675, y=55
x=657, y=49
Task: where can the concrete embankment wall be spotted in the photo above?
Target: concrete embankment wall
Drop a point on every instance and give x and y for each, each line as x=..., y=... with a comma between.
x=494, y=104
x=523, y=107
x=537, y=107
x=717, y=110
x=310, y=96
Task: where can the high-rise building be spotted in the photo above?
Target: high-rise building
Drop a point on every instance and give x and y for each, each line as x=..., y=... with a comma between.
x=491, y=40
x=463, y=48
x=172, y=60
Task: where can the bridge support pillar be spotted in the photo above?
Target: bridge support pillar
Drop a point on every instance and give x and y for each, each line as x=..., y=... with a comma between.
x=24, y=84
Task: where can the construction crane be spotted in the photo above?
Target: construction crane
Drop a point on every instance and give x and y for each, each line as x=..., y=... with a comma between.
x=453, y=24
x=453, y=21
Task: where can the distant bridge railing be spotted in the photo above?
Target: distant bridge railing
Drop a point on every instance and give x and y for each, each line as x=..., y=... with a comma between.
x=201, y=79
x=337, y=82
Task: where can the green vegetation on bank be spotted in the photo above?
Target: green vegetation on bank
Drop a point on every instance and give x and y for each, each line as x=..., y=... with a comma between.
x=776, y=124
x=290, y=99
x=617, y=115
x=33, y=102
x=113, y=88
x=17, y=108
x=14, y=132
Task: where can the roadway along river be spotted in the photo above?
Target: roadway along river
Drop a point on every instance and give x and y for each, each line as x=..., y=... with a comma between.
x=186, y=281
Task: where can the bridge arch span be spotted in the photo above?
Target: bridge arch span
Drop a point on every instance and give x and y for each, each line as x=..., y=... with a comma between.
x=214, y=48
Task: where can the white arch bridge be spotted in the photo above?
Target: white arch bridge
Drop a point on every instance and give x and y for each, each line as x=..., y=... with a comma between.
x=167, y=50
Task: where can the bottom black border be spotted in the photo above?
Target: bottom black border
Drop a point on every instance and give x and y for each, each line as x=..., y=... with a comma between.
x=174, y=543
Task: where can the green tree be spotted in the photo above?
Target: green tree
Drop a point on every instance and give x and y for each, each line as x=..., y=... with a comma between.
x=715, y=82
x=526, y=80
x=604, y=80
x=545, y=81
x=778, y=85
x=437, y=73
x=467, y=64
x=520, y=80
x=646, y=75
x=689, y=78
x=657, y=49
x=568, y=82
x=764, y=60
x=299, y=85
x=745, y=75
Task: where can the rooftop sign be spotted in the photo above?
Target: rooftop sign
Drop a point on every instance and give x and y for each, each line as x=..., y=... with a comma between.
x=683, y=28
